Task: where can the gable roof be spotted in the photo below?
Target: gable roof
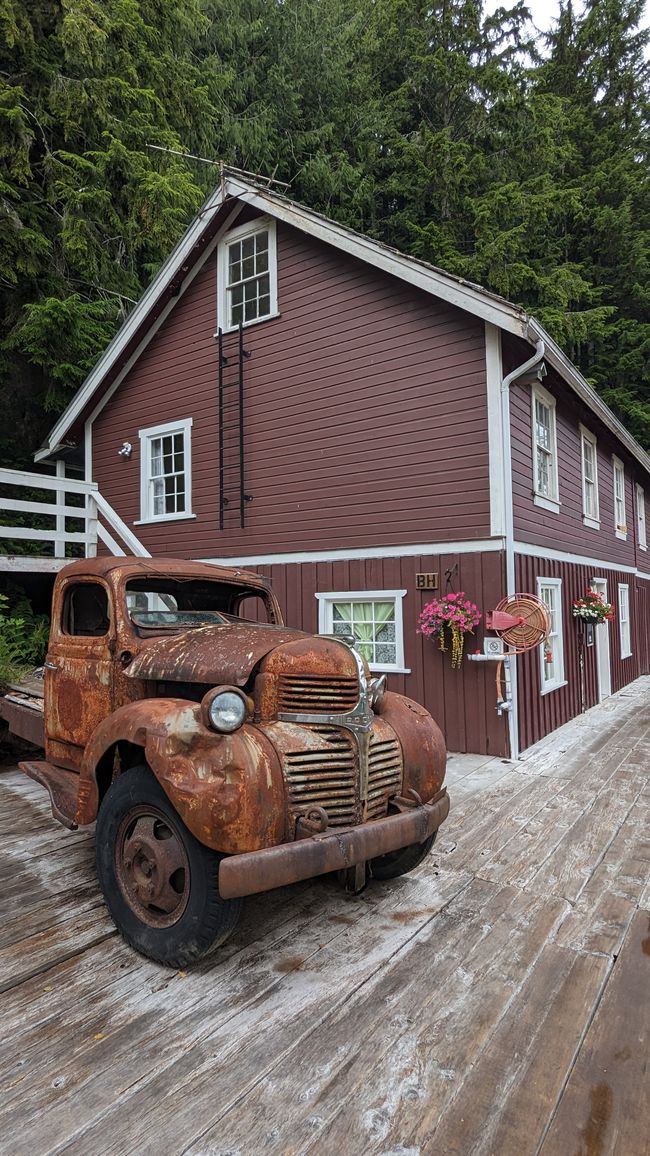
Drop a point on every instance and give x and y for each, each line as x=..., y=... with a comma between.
x=168, y=284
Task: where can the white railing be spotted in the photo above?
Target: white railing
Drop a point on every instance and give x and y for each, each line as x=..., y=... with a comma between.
x=99, y=520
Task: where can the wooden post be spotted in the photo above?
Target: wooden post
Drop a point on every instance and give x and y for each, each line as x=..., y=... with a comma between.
x=59, y=541
x=91, y=525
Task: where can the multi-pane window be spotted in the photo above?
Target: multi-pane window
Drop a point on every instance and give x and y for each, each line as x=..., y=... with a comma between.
x=544, y=449
x=552, y=651
x=619, y=498
x=589, y=478
x=624, y=619
x=640, y=517
x=373, y=619
x=247, y=276
x=165, y=471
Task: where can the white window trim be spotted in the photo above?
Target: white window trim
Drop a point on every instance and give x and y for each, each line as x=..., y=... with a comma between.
x=591, y=520
x=640, y=517
x=259, y=225
x=560, y=680
x=625, y=653
x=546, y=501
x=620, y=533
x=325, y=621
x=185, y=427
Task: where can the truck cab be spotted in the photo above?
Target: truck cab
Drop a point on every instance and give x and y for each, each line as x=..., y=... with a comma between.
x=220, y=752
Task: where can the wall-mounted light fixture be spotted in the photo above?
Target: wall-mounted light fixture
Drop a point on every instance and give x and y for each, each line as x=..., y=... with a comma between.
x=126, y=451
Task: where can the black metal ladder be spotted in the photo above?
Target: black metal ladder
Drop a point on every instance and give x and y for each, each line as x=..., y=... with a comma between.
x=231, y=357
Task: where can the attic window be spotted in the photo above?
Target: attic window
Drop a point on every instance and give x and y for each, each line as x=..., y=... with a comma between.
x=248, y=275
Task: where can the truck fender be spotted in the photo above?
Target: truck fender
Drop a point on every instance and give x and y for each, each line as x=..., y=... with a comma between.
x=423, y=746
x=227, y=789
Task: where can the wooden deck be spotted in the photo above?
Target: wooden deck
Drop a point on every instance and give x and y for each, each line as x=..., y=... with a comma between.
x=495, y=1002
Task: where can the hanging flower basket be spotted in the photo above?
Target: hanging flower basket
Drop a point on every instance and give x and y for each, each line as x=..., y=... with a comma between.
x=592, y=608
x=453, y=615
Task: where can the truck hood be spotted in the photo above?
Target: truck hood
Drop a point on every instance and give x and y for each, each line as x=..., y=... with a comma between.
x=211, y=654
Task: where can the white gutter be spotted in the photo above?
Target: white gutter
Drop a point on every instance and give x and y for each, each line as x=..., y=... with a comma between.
x=514, y=375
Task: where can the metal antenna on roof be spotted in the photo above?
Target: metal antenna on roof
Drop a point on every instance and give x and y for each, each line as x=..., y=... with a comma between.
x=224, y=167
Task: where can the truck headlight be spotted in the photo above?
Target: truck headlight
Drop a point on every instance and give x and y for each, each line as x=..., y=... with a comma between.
x=225, y=709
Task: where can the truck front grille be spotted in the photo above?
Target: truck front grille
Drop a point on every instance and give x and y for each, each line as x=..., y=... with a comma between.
x=384, y=774
x=329, y=777
x=311, y=694
x=326, y=777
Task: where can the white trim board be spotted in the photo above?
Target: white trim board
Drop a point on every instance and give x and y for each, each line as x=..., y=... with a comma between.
x=482, y=546
x=532, y=551
x=410, y=551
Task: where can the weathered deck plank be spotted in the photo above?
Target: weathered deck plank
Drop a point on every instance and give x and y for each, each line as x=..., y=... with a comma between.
x=606, y=1106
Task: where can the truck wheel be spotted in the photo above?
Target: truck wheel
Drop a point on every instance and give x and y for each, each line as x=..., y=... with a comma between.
x=402, y=861
x=160, y=884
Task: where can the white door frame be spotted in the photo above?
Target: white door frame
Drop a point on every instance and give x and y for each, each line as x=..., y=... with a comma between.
x=603, y=661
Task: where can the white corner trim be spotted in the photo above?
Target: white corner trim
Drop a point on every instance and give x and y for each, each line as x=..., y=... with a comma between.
x=482, y=546
x=496, y=446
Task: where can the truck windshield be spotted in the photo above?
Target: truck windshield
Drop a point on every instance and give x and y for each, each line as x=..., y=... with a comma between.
x=163, y=603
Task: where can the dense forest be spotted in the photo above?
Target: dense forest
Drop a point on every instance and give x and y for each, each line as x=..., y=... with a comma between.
x=519, y=162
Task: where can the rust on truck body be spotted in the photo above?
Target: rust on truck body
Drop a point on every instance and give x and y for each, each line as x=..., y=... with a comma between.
x=323, y=770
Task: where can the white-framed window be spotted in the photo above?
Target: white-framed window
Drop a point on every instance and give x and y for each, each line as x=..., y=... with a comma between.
x=247, y=286
x=640, y=517
x=166, y=471
x=545, y=484
x=624, y=619
x=374, y=617
x=620, y=520
x=552, y=651
x=588, y=452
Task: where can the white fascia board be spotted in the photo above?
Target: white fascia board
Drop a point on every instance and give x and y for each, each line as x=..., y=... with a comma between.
x=470, y=298
x=555, y=357
x=161, y=281
x=424, y=548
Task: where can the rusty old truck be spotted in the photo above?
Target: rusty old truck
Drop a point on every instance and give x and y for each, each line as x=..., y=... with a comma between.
x=220, y=752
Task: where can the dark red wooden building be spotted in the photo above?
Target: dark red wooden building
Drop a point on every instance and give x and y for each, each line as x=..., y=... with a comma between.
x=296, y=398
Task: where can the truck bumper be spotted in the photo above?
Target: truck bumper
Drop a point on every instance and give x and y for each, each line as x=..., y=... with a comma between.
x=333, y=850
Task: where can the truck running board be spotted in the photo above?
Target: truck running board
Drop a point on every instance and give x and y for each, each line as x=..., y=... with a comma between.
x=62, y=786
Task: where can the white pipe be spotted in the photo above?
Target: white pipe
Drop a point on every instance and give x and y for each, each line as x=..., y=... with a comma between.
x=514, y=375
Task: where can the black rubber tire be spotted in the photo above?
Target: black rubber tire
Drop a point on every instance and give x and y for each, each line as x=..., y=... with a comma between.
x=206, y=921
x=400, y=862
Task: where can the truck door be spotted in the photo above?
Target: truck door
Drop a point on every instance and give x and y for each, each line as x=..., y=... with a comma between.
x=78, y=669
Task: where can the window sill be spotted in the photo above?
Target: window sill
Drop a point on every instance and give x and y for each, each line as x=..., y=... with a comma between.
x=388, y=669
x=630, y=654
x=642, y=546
x=248, y=324
x=164, y=518
x=553, y=686
x=547, y=503
x=592, y=523
x=622, y=535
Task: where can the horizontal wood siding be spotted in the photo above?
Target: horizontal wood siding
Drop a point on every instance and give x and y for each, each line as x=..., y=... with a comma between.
x=365, y=415
x=539, y=714
x=463, y=701
x=565, y=529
